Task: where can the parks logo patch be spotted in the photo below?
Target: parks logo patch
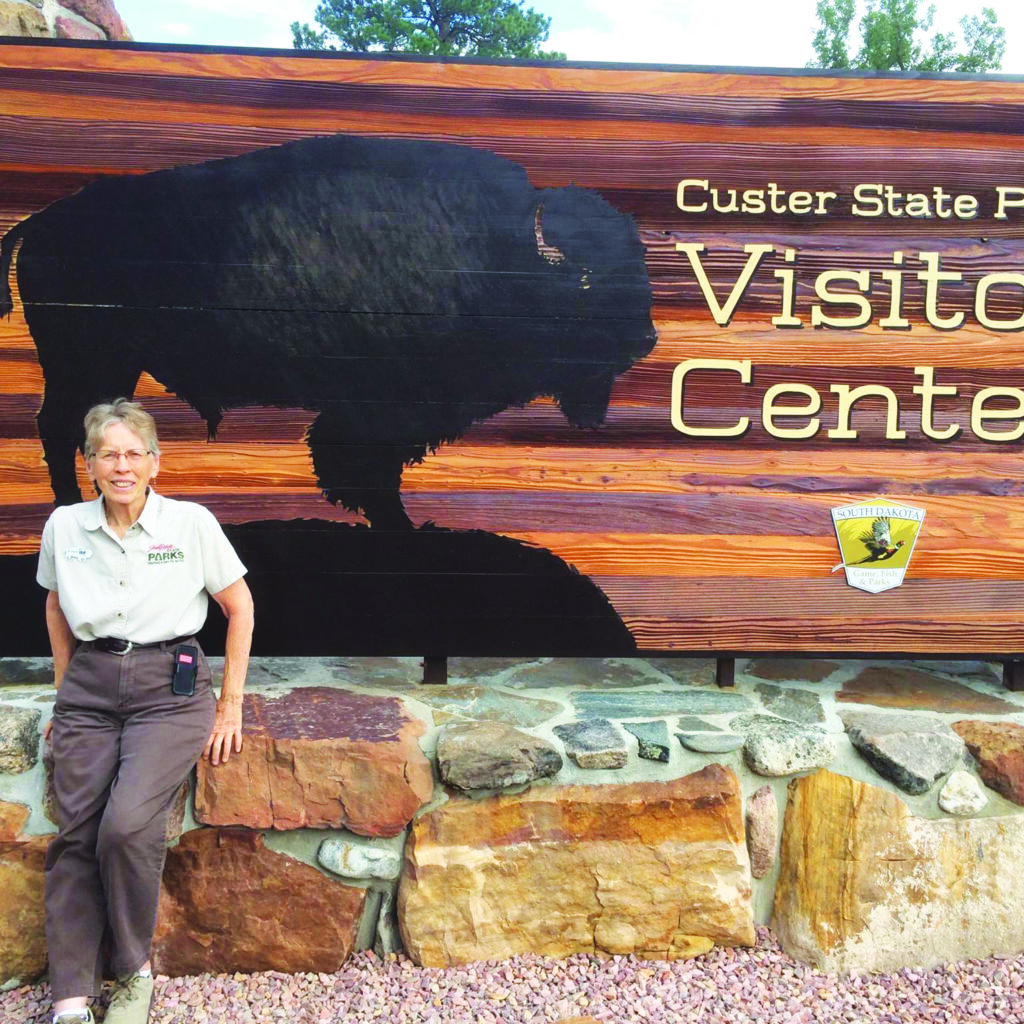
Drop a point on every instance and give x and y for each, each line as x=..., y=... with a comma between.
x=876, y=539
x=162, y=554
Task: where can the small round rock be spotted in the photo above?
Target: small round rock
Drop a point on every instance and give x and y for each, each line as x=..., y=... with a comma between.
x=962, y=794
x=359, y=859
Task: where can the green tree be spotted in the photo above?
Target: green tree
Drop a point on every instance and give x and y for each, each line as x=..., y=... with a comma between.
x=471, y=28
x=896, y=35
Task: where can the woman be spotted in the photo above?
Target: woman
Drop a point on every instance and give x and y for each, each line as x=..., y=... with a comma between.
x=128, y=576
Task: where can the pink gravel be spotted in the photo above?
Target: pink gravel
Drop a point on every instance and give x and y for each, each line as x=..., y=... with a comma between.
x=727, y=986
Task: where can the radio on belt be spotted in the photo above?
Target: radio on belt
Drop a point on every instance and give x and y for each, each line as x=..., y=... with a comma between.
x=186, y=664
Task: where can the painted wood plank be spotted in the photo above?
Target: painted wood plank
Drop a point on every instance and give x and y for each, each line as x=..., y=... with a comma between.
x=683, y=469
x=754, y=337
x=232, y=93
x=771, y=557
x=951, y=519
x=546, y=76
x=657, y=596
x=957, y=634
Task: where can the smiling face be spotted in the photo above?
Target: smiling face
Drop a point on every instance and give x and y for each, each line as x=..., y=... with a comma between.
x=122, y=483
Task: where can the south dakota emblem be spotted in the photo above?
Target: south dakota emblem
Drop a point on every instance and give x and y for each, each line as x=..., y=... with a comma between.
x=876, y=540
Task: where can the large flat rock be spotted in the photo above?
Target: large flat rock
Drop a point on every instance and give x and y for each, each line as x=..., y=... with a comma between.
x=320, y=757
x=229, y=904
x=647, y=704
x=811, y=670
x=790, y=702
x=653, y=869
x=999, y=750
x=604, y=673
x=864, y=884
x=688, y=671
x=22, y=918
x=917, y=690
x=912, y=751
x=483, y=703
x=493, y=755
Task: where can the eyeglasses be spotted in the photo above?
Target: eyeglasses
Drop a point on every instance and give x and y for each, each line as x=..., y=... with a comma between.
x=109, y=457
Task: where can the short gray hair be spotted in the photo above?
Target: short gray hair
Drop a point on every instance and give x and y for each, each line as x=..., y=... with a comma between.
x=120, y=410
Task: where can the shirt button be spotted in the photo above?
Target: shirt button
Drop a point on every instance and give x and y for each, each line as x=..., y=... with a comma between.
x=123, y=583
x=120, y=615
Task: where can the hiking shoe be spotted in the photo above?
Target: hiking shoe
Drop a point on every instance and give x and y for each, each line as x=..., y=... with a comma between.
x=74, y=1017
x=131, y=1000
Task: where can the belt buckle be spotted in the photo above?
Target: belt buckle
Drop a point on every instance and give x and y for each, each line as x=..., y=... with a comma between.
x=106, y=644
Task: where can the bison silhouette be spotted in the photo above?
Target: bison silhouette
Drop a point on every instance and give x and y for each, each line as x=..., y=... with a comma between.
x=400, y=289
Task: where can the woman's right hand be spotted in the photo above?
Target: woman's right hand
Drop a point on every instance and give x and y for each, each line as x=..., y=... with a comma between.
x=47, y=729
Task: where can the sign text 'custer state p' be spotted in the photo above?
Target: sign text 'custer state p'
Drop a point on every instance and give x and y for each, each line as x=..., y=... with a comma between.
x=867, y=199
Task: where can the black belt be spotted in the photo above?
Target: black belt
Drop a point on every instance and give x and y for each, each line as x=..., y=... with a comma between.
x=115, y=645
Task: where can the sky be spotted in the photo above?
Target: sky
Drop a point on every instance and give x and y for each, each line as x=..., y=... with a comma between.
x=745, y=33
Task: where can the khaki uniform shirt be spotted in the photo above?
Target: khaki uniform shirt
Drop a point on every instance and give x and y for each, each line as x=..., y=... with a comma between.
x=150, y=586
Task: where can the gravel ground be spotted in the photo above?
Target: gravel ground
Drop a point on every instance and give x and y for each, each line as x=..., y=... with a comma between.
x=724, y=987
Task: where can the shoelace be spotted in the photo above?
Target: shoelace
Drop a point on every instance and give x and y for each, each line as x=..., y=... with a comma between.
x=131, y=987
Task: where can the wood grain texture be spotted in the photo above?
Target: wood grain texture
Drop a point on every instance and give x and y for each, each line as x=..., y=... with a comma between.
x=423, y=113
x=902, y=633
x=700, y=544
x=685, y=470
x=784, y=557
x=547, y=77
x=537, y=104
x=754, y=338
x=713, y=595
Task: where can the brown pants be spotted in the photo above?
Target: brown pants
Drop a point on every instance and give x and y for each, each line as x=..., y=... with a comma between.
x=122, y=746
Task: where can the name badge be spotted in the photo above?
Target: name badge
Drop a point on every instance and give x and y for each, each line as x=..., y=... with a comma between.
x=78, y=554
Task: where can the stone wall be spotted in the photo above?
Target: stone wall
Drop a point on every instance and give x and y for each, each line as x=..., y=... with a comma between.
x=62, y=19
x=870, y=812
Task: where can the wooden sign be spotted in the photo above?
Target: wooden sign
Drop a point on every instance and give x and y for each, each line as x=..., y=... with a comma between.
x=509, y=359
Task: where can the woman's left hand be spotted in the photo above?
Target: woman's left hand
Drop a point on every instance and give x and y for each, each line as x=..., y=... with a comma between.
x=227, y=731
x=236, y=603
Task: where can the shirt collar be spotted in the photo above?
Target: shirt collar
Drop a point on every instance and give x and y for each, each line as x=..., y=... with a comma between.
x=93, y=516
x=150, y=512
